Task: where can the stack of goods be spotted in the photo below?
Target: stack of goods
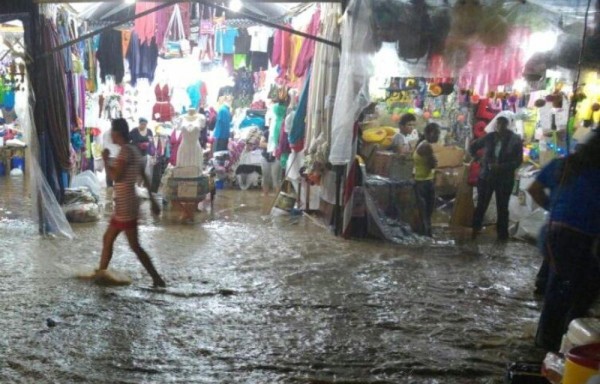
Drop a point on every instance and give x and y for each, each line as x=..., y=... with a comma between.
x=81, y=206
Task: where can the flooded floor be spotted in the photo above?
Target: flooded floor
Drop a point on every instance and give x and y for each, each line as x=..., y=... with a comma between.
x=256, y=299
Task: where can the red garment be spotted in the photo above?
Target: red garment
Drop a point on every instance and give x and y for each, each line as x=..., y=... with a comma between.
x=308, y=47
x=163, y=105
x=123, y=225
x=175, y=143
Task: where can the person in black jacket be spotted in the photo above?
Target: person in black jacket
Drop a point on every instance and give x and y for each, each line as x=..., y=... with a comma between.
x=503, y=155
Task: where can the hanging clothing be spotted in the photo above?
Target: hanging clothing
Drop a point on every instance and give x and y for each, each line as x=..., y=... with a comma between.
x=197, y=93
x=295, y=48
x=299, y=125
x=281, y=50
x=223, y=125
x=162, y=107
x=242, y=42
x=225, y=40
x=260, y=38
x=259, y=61
x=240, y=61
x=125, y=40
x=110, y=56
x=142, y=58
x=145, y=26
x=308, y=47
x=275, y=127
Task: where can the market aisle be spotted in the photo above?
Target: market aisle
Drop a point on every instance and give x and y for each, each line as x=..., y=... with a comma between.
x=253, y=299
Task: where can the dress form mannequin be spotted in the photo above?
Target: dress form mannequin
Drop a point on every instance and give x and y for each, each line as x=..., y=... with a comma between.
x=189, y=152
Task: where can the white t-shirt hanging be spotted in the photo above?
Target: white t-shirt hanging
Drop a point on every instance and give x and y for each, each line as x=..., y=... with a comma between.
x=260, y=38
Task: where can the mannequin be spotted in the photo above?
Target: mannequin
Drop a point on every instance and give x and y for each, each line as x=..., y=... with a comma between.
x=189, y=153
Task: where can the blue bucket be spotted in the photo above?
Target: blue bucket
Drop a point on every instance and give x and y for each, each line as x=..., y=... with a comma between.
x=219, y=184
x=17, y=162
x=2, y=169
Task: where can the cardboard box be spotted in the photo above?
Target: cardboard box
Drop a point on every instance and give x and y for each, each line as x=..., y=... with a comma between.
x=447, y=180
x=448, y=157
x=392, y=165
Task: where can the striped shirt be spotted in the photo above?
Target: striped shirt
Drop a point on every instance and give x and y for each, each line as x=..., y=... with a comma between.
x=126, y=201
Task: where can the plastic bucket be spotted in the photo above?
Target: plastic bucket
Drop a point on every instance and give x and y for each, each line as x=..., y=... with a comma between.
x=17, y=162
x=219, y=184
x=582, y=363
x=285, y=201
x=2, y=169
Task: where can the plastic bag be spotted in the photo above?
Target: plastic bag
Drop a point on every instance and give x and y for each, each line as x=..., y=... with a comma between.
x=82, y=213
x=81, y=195
x=87, y=179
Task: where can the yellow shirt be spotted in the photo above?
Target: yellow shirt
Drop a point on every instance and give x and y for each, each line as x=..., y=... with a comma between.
x=423, y=171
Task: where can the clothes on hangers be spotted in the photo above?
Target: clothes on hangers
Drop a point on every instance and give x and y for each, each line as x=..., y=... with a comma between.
x=260, y=38
x=142, y=58
x=259, y=61
x=225, y=40
x=308, y=47
x=243, y=42
x=110, y=56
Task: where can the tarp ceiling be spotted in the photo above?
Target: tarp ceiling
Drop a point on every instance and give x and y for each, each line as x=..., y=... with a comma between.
x=113, y=11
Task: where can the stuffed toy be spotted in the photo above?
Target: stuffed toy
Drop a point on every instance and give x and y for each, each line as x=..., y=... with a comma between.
x=483, y=116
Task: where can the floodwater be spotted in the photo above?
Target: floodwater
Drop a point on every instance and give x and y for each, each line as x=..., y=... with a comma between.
x=256, y=299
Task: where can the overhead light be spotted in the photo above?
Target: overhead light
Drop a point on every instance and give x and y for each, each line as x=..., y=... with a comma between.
x=129, y=1
x=236, y=5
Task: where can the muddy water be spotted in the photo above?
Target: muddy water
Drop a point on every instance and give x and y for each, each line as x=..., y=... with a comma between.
x=253, y=299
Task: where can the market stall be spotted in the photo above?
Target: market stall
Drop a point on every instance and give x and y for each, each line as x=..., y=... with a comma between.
x=459, y=66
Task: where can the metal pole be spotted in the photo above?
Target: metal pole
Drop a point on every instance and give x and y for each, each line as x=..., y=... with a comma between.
x=573, y=105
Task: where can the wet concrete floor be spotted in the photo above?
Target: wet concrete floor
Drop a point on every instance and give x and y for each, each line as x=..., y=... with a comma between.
x=256, y=299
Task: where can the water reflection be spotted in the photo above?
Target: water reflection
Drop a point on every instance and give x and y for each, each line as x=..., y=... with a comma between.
x=257, y=299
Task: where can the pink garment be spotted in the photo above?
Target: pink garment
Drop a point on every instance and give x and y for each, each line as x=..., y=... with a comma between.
x=308, y=47
x=175, y=143
x=281, y=50
x=145, y=26
x=488, y=67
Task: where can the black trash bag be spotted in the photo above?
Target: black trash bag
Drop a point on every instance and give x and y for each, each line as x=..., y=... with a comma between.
x=408, y=24
x=441, y=21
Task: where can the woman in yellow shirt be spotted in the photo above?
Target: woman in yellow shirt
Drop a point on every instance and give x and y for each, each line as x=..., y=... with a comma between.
x=425, y=163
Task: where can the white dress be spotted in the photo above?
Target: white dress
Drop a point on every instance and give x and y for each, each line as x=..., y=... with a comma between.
x=189, y=153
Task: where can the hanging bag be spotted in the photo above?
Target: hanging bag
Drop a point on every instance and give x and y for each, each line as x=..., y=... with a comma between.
x=176, y=45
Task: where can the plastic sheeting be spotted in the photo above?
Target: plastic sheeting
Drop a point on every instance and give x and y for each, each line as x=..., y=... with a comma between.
x=356, y=68
x=45, y=205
